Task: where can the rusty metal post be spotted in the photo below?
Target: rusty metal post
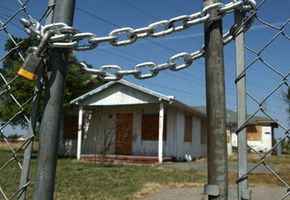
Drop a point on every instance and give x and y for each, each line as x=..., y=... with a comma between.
x=217, y=187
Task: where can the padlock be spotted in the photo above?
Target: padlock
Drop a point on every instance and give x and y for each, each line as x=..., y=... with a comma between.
x=30, y=66
x=34, y=60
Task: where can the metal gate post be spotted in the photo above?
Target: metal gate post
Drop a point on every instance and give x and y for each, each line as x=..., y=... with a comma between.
x=217, y=187
x=24, y=180
x=50, y=126
x=243, y=192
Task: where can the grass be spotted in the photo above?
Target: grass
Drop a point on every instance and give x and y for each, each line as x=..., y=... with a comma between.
x=79, y=180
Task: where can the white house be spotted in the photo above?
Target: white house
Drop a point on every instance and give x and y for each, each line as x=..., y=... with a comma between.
x=260, y=130
x=126, y=119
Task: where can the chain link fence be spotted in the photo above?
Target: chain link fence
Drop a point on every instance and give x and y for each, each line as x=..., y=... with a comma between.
x=19, y=103
x=265, y=60
x=23, y=105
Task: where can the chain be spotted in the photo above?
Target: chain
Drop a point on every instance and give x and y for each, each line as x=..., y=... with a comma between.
x=139, y=70
x=69, y=37
x=103, y=73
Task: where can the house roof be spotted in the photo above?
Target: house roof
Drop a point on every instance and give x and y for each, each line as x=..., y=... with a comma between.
x=232, y=117
x=159, y=97
x=123, y=82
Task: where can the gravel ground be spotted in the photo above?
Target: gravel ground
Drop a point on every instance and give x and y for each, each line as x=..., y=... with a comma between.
x=201, y=166
x=197, y=194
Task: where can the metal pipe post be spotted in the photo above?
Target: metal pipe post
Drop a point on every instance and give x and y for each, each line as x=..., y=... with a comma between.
x=50, y=126
x=33, y=119
x=217, y=187
x=243, y=192
x=31, y=133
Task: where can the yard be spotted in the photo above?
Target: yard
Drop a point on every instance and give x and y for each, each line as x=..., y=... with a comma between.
x=80, y=180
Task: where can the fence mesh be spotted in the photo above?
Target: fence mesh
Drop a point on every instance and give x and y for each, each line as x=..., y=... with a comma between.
x=266, y=60
x=16, y=104
x=17, y=96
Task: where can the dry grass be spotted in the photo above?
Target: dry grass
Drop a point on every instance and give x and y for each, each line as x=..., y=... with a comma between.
x=15, y=145
x=80, y=180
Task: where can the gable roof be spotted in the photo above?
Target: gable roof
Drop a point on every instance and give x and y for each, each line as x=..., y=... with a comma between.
x=160, y=97
x=123, y=82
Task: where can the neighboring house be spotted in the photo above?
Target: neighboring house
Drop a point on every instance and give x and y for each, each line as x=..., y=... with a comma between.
x=22, y=138
x=260, y=130
x=122, y=118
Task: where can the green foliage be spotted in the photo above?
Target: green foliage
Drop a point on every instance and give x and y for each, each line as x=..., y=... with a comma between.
x=13, y=136
x=286, y=147
x=22, y=89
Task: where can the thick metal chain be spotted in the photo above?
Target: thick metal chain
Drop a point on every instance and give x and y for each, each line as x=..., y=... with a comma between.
x=68, y=37
x=104, y=73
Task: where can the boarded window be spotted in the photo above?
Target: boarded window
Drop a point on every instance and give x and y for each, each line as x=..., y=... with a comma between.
x=150, y=127
x=203, y=132
x=188, y=128
x=228, y=136
x=254, y=132
x=70, y=127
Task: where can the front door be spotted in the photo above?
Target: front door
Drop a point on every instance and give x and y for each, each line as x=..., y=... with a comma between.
x=124, y=126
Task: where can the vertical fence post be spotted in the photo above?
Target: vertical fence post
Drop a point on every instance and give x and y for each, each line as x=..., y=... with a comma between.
x=243, y=192
x=50, y=126
x=31, y=131
x=32, y=125
x=217, y=187
x=80, y=132
x=160, y=134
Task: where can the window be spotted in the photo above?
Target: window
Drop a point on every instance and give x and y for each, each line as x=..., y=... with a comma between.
x=187, y=128
x=150, y=127
x=254, y=133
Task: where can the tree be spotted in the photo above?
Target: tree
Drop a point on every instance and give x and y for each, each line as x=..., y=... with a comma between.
x=287, y=99
x=22, y=89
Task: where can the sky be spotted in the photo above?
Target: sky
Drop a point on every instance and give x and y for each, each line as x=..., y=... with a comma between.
x=188, y=85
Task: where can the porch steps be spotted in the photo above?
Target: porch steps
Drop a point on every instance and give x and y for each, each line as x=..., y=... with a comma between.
x=124, y=159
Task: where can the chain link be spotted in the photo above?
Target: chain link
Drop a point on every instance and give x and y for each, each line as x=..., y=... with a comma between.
x=69, y=37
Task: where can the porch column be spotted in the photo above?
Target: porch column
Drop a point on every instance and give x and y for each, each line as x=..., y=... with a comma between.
x=80, y=125
x=160, y=138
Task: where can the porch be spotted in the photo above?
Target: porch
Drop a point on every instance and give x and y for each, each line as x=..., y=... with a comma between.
x=117, y=159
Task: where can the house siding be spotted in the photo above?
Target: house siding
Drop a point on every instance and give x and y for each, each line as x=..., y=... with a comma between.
x=174, y=144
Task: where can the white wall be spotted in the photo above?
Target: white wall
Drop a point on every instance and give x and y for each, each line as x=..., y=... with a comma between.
x=262, y=145
x=102, y=124
x=173, y=146
x=193, y=148
x=265, y=144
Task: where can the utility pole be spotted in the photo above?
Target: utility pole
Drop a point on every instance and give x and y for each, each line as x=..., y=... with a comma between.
x=50, y=126
x=217, y=187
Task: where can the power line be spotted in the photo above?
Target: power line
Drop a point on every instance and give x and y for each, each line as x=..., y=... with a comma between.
x=153, y=42
x=97, y=17
x=139, y=9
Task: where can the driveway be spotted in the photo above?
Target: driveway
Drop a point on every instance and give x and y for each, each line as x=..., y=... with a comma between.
x=197, y=194
x=202, y=166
